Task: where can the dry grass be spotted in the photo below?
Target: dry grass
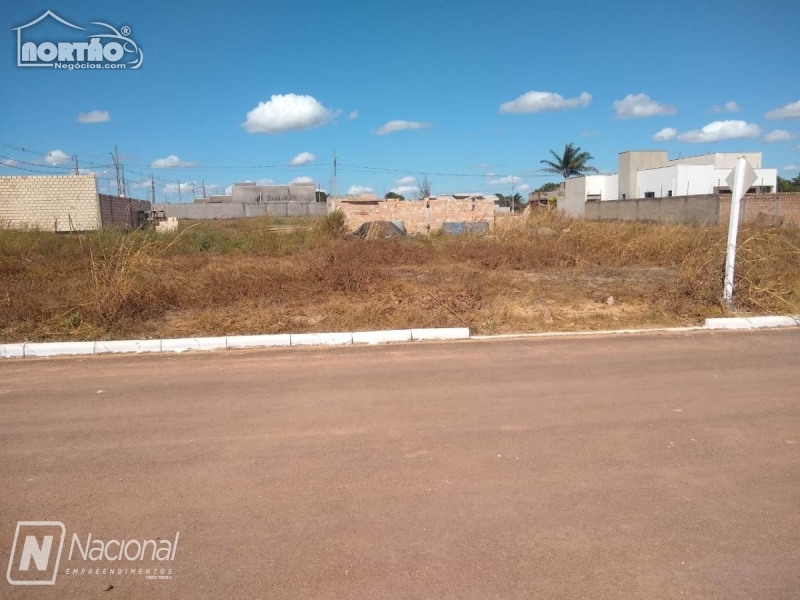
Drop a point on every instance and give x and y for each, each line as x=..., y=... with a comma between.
x=254, y=276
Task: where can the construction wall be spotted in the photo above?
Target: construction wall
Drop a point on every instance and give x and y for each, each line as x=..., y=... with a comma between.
x=419, y=216
x=237, y=210
x=696, y=210
x=122, y=212
x=50, y=202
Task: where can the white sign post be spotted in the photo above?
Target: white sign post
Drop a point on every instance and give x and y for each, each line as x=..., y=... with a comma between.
x=740, y=180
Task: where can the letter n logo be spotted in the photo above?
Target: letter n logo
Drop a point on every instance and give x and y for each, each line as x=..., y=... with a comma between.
x=36, y=553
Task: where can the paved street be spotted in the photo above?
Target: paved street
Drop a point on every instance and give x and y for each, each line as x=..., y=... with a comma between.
x=653, y=466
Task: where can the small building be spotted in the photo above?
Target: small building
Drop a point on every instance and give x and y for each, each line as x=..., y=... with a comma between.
x=651, y=174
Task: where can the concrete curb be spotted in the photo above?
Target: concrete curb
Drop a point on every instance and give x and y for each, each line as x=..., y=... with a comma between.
x=26, y=350
x=752, y=322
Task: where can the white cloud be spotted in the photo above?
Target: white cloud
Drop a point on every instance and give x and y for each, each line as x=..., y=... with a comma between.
x=721, y=130
x=302, y=180
x=405, y=190
x=94, y=116
x=303, y=159
x=408, y=180
x=10, y=162
x=229, y=190
x=265, y=181
x=357, y=190
x=56, y=157
x=186, y=187
x=729, y=107
x=636, y=106
x=170, y=162
x=791, y=169
x=666, y=134
x=287, y=112
x=787, y=111
x=352, y=115
x=779, y=135
x=523, y=188
x=400, y=125
x=535, y=102
x=507, y=180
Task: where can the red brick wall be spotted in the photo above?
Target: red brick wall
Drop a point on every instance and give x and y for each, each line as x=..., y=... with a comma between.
x=418, y=216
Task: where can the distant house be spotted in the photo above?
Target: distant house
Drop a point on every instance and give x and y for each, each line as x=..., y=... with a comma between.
x=651, y=174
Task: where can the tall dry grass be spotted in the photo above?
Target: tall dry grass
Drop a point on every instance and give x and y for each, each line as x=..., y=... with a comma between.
x=543, y=272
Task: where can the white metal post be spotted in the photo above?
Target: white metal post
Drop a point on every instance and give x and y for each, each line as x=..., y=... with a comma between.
x=733, y=229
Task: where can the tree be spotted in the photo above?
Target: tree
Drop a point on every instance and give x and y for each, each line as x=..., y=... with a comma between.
x=424, y=190
x=548, y=187
x=516, y=199
x=393, y=196
x=787, y=185
x=572, y=162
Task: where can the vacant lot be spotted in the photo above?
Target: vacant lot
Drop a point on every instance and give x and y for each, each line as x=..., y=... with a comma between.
x=537, y=273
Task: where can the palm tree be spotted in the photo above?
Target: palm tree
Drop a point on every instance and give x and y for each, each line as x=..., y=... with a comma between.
x=572, y=162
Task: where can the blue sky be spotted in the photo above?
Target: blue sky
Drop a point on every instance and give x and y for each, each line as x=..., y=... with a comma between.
x=458, y=75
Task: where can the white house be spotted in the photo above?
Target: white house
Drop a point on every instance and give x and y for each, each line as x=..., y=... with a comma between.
x=650, y=174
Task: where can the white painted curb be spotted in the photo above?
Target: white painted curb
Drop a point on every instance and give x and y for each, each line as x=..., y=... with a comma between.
x=321, y=339
x=442, y=333
x=59, y=348
x=752, y=322
x=382, y=337
x=26, y=350
x=127, y=346
x=201, y=343
x=258, y=341
x=12, y=351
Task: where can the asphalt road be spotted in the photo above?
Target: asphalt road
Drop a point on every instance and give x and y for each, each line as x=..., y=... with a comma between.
x=615, y=467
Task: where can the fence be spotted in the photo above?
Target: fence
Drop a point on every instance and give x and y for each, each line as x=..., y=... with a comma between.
x=116, y=211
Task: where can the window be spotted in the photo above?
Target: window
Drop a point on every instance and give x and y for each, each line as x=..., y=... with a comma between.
x=669, y=192
x=649, y=194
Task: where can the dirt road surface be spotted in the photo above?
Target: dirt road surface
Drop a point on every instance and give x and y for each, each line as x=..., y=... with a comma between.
x=616, y=467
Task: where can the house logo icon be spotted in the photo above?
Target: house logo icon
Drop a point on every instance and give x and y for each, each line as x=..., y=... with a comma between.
x=109, y=48
x=36, y=553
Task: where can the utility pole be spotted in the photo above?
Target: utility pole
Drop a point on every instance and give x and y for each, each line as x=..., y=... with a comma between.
x=335, y=189
x=204, y=189
x=153, y=187
x=512, y=195
x=115, y=158
x=124, y=187
x=77, y=172
x=179, y=191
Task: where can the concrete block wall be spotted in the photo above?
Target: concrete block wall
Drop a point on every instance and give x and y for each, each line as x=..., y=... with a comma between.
x=688, y=210
x=50, y=202
x=419, y=216
x=696, y=210
x=238, y=210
